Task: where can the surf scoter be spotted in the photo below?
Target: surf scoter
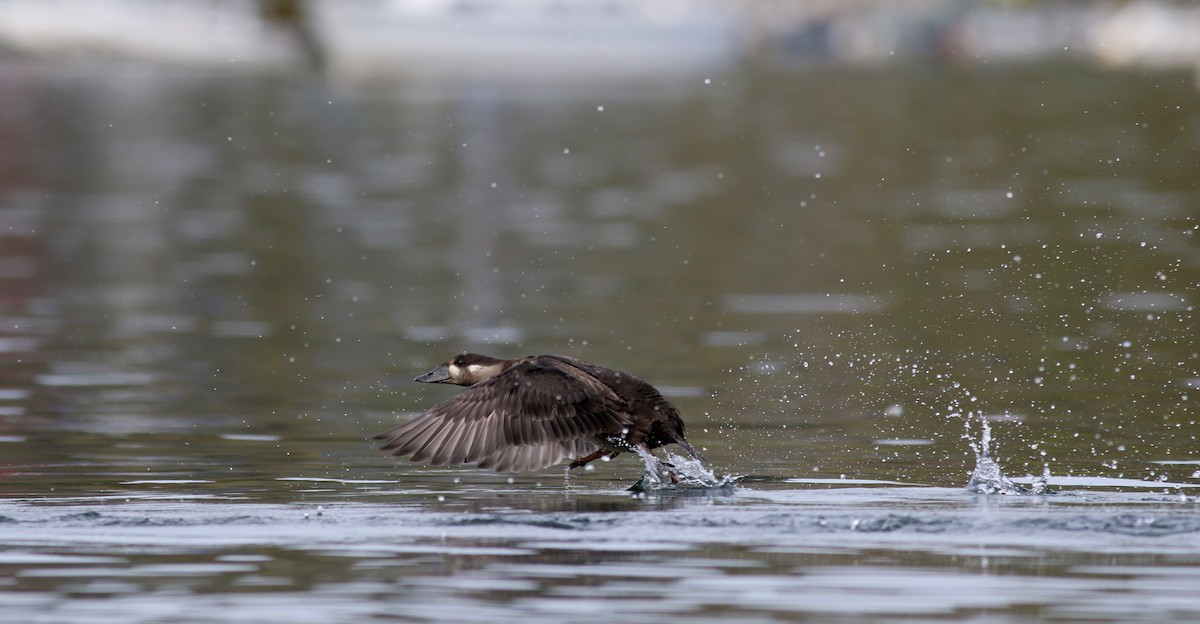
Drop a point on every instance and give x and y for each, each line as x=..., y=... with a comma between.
x=533, y=412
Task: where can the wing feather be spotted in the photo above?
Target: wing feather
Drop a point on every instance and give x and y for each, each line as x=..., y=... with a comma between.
x=443, y=448
x=432, y=440
x=411, y=441
x=469, y=443
x=530, y=417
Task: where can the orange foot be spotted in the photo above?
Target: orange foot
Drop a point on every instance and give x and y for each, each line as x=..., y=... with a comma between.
x=583, y=461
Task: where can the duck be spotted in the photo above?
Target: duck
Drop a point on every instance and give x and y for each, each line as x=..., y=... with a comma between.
x=533, y=412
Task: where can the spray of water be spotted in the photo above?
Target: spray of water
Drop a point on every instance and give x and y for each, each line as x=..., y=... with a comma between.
x=678, y=473
x=988, y=477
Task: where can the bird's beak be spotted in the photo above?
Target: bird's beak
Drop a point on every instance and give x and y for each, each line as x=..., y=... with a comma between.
x=440, y=374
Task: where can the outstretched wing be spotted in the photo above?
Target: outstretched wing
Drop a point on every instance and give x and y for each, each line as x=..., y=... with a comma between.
x=527, y=418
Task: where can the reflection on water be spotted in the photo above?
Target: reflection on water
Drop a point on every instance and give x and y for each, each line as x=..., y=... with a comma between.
x=758, y=555
x=214, y=288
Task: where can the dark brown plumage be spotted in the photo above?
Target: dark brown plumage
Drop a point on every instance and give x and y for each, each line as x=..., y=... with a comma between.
x=534, y=412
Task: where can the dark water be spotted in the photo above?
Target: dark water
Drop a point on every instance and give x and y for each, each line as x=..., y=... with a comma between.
x=214, y=287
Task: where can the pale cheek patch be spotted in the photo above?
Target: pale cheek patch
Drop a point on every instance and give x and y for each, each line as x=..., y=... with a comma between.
x=474, y=369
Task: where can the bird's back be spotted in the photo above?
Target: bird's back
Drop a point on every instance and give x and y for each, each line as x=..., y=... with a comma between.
x=654, y=419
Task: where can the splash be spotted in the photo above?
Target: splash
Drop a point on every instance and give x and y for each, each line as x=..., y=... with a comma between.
x=1041, y=485
x=678, y=473
x=988, y=477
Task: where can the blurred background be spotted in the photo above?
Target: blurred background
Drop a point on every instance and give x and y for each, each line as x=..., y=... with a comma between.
x=232, y=232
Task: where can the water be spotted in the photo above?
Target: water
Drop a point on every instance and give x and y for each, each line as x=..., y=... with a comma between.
x=765, y=552
x=679, y=474
x=215, y=287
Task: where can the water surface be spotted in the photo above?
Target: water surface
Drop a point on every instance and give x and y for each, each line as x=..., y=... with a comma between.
x=215, y=287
